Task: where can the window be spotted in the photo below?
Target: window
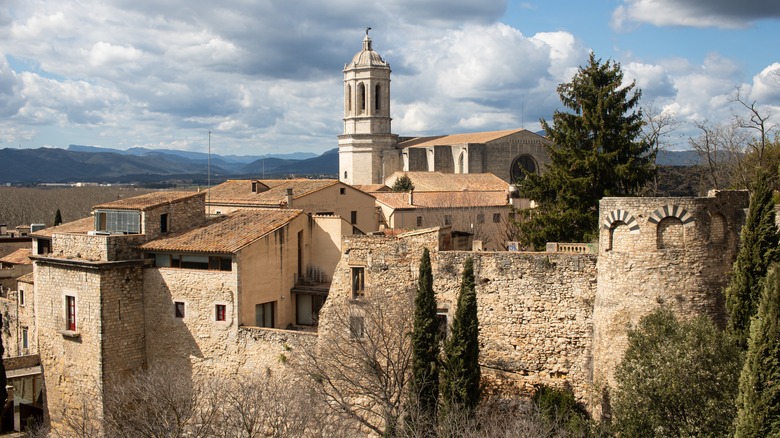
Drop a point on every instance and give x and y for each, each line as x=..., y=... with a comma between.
x=496, y=218
x=25, y=339
x=441, y=320
x=178, y=309
x=220, y=263
x=447, y=219
x=70, y=313
x=164, y=223
x=264, y=314
x=219, y=312
x=481, y=218
x=362, y=98
x=356, y=327
x=358, y=283
x=44, y=246
x=377, y=93
x=308, y=308
x=118, y=221
x=21, y=297
x=353, y=217
x=342, y=191
x=419, y=221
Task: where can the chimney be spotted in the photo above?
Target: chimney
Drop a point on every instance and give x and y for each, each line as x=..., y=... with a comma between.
x=289, y=197
x=411, y=197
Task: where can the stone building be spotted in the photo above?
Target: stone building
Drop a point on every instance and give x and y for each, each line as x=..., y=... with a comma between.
x=474, y=203
x=369, y=152
x=321, y=197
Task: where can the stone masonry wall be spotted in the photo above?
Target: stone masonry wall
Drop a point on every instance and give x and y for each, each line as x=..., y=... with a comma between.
x=71, y=360
x=676, y=252
x=96, y=248
x=535, y=309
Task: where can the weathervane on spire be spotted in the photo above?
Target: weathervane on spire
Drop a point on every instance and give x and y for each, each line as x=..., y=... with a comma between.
x=367, y=29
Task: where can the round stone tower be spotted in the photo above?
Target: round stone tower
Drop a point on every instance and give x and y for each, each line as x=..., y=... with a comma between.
x=673, y=252
x=367, y=149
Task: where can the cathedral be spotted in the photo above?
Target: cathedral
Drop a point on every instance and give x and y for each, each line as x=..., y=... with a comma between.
x=369, y=152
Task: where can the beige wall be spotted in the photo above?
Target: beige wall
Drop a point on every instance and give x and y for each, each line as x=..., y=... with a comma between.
x=330, y=199
x=325, y=248
x=267, y=270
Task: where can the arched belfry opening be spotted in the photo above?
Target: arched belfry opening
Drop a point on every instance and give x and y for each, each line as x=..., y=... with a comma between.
x=362, y=98
x=348, y=100
x=377, y=98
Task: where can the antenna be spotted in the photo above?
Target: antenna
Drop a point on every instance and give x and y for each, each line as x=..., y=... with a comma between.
x=208, y=171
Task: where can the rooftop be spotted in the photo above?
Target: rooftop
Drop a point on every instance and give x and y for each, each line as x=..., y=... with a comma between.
x=270, y=192
x=225, y=234
x=77, y=226
x=449, y=182
x=19, y=257
x=469, y=137
x=148, y=201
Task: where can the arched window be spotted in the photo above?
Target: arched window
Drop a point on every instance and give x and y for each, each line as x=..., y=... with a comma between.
x=362, y=98
x=520, y=164
x=377, y=94
x=461, y=162
x=670, y=233
x=349, y=99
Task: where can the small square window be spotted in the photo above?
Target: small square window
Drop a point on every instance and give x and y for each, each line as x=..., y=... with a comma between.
x=356, y=327
x=219, y=312
x=496, y=218
x=179, y=309
x=419, y=221
x=353, y=218
x=342, y=191
x=21, y=297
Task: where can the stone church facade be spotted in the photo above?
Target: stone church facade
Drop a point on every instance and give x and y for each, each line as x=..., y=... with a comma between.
x=369, y=152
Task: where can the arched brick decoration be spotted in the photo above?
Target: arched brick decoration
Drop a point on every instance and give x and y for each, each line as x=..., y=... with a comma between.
x=672, y=211
x=622, y=216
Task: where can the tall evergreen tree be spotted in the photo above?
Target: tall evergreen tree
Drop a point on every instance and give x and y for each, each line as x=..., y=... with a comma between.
x=424, y=388
x=597, y=151
x=461, y=389
x=758, y=250
x=758, y=403
x=57, y=218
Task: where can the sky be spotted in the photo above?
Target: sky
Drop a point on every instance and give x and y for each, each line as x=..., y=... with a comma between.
x=265, y=76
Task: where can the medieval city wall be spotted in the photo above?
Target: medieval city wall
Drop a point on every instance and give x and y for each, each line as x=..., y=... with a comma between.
x=535, y=309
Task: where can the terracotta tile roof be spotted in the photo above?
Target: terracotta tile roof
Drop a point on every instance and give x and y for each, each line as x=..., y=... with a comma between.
x=19, y=257
x=442, y=199
x=469, y=137
x=437, y=181
x=370, y=188
x=27, y=278
x=147, y=201
x=225, y=234
x=233, y=192
x=78, y=226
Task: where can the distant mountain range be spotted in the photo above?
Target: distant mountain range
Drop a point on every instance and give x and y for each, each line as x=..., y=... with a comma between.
x=143, y=166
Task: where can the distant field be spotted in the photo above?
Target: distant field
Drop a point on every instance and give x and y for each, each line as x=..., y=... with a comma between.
x=34, y=205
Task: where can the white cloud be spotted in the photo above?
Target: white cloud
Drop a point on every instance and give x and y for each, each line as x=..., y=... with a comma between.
x=693, y=13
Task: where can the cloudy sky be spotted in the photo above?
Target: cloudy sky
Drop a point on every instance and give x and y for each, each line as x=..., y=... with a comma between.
x=265, y=76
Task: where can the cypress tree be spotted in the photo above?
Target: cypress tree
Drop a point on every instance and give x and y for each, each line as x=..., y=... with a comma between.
x=57, y=218
x=425, y=352
x=758, y=403
x=461, y=389
x=758, y=250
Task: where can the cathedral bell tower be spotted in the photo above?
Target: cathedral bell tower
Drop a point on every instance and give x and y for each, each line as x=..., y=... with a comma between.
x=367, y=149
